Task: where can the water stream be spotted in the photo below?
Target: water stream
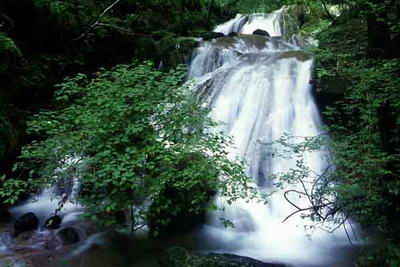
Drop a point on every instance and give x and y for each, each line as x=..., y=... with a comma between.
x=258, y=87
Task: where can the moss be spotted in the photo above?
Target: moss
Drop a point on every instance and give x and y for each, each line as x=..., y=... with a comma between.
x=178, y=257
x=345, y=36
x=314, y=27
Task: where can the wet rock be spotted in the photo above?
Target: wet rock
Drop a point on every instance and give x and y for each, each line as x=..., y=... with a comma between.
x=68, y=236
x=299, y=55
x=177, y=257
x=27, y=222
x=261, y=32
x=6, y=240
x=328, y=90
x=233, y=34
x=212, y=35
x=53, y=222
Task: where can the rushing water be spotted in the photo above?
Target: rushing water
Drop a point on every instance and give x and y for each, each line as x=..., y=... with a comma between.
x=259, y=88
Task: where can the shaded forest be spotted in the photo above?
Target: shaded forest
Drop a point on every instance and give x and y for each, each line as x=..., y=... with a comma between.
x=67, y=69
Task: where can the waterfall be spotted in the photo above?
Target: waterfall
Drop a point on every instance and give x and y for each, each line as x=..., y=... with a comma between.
x=259, y=88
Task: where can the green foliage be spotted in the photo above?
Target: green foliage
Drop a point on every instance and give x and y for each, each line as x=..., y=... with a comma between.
x=363, y=128
x=138, y=139
x=11, y=190
x=6, y=44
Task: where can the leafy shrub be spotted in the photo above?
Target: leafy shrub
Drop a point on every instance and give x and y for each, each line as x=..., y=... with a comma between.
x=137, y=139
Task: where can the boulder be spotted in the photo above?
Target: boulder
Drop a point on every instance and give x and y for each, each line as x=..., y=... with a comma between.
x=26, y=222
x=261, y=32
x=233, y=34
x=177, y=256
x=68, y=236
x=53, y=222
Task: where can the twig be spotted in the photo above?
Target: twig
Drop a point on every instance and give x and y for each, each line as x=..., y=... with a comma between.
x=352, y=229
x=290, y=202
x=295, y=212
x=347, y=234
x=97, y=21
x=327, y=11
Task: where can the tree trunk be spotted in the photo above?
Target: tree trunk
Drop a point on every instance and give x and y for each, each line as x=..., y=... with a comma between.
x=379, y=38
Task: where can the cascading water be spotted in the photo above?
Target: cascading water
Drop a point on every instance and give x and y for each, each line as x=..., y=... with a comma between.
x=259, y=88
x=61, y=200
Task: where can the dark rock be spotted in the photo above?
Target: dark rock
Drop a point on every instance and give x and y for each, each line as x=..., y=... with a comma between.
x=5, y=215
x=53, y=222
x=68, y=236
x=173, y=50
x=327, y=91
x=177, y=257
x=233, y=34
x=26, y=222
x=261, y=32
x=212, y=35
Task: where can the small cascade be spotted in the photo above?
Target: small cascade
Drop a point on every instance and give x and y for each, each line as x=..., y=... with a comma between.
x=258, y=87
x=59, y=200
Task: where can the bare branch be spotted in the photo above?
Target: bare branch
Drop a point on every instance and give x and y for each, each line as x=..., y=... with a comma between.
x=295, y=212
x=97, y=21
x=290, y=202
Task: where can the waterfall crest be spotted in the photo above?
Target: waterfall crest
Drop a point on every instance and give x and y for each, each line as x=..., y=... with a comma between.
x=259, y=88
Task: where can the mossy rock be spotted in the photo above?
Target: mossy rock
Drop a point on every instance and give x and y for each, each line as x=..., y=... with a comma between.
x=178, y=257
x=174, y=50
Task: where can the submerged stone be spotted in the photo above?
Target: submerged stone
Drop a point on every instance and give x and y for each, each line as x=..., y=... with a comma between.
x=53, y=222
x=68, y=236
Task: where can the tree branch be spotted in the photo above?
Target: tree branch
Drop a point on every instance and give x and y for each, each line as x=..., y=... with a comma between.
x=327, y=11
x=97, y=21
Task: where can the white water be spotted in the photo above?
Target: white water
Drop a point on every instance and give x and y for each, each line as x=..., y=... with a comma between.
x=259, y=88
x=49, y=200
